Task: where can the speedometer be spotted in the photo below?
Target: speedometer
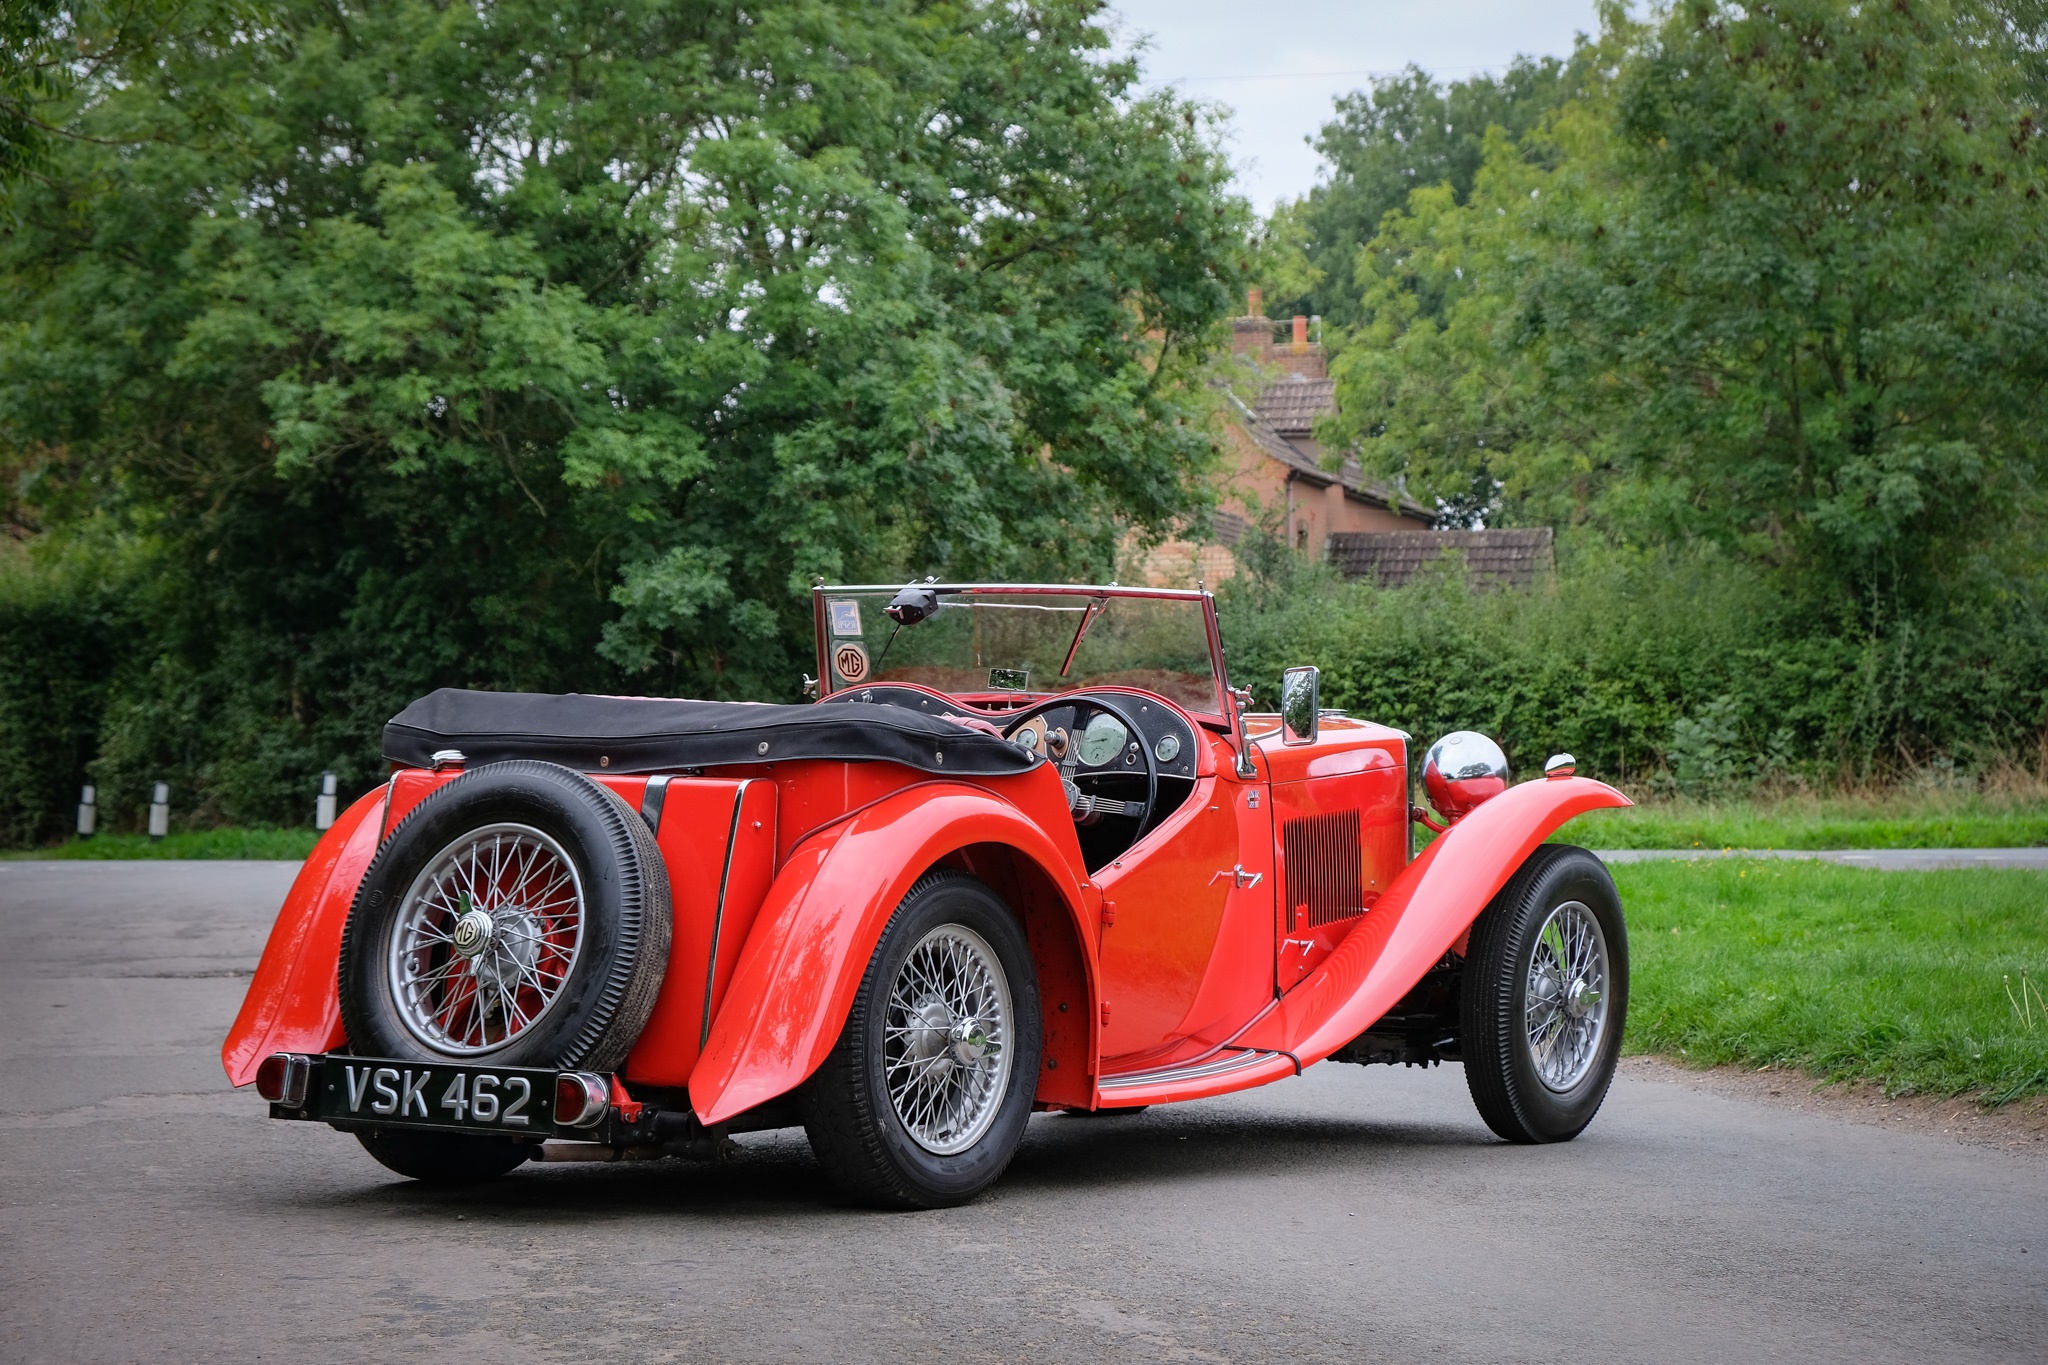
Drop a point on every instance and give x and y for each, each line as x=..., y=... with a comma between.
x=1102, y=740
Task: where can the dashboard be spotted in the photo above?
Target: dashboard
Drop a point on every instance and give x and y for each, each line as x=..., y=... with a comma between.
x=1100, y=758
x=1093, y=741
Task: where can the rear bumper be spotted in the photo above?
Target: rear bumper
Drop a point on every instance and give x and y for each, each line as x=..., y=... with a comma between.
x=521, y=1103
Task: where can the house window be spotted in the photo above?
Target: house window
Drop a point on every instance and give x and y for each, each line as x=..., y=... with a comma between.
x=1301, y=536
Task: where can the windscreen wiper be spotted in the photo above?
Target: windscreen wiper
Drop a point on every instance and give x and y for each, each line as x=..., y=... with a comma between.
x=909, y=606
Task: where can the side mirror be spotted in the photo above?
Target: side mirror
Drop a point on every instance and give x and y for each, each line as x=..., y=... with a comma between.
x=1301, y=704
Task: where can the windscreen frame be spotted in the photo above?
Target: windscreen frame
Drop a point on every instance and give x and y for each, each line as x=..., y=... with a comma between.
x=1216, y=714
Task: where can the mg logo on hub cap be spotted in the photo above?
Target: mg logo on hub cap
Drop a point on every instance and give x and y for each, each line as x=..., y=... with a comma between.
x=473, y=933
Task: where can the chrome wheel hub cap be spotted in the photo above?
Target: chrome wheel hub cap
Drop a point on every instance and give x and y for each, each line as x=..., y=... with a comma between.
x=945, y=1052
x=1565, y=1010
x=485, y=939
x=473, y=933
x=929, y=1029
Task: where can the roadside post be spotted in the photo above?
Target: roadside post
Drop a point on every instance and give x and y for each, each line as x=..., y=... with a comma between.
x=160, y=811
x=88, y=812
x=323, y=809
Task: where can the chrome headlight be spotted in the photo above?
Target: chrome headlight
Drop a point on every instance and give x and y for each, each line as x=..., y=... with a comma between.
x=1461, y=770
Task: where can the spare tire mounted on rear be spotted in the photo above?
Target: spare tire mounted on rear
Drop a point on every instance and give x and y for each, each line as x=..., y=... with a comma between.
x=518, y=915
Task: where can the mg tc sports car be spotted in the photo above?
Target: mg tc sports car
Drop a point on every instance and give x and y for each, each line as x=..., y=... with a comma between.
x=1028, y=850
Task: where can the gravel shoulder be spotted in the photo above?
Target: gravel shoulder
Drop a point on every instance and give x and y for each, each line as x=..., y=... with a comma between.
x=2020, y=1127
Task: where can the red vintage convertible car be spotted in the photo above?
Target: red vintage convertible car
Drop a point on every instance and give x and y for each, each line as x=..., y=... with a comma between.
x=1028, y=851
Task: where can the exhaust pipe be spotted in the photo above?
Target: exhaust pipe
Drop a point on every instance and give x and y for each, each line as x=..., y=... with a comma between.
x=596, y=1151
x=715, y=1148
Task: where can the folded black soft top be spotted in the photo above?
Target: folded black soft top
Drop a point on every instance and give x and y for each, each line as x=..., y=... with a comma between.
x=658, y=734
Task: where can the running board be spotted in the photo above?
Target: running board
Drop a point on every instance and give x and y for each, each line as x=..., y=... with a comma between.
x=1183, y=1075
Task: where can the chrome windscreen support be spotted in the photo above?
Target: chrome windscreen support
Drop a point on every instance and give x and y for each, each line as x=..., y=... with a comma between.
x=1241, y=702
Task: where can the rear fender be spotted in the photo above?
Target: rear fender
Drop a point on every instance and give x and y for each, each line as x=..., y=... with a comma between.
x=803, y=963
x=291, y=1005
x=1422, y=915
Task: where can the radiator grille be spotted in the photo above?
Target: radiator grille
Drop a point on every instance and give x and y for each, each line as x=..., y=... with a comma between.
x=1325, y=866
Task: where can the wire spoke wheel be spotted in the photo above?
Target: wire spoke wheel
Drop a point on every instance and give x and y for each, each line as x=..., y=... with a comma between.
x=1545, y=997
x=947, y=1039
x=485, y=939
x=1565, y=1009
x=924, y=1098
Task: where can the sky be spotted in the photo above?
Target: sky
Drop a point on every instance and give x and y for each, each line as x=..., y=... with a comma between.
x=1279, y=63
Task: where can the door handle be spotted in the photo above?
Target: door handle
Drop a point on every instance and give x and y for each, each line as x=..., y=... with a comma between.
x=1244, y=880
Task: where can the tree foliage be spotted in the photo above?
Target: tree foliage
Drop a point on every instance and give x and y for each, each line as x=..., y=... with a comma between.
x=559, y=345
x=1773, y=277
x=1403, y=133
x=1763, y=291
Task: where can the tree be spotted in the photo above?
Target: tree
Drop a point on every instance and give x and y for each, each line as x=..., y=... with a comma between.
x=55, y=57
x=1404, y=133
x=1815, y=321
x=1436, y=390
x=28, y=80
x=559, y=344
x=1441, y=383
x=1778, y=284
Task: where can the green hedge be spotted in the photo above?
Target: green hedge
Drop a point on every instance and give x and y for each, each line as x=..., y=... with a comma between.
x=1668, y=671
x=63, y=637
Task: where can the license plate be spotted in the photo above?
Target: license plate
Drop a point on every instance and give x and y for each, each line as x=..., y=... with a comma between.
x=474, y=1099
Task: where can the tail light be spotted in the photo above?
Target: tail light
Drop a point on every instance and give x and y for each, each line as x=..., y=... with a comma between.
x=580, y=1099
x=281, y=1079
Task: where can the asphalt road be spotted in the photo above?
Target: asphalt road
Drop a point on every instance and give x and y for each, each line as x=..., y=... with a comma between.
x=149, y=1213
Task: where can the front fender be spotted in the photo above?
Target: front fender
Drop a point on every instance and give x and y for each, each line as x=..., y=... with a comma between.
x=292, y=1004
x=803, y=963
x=1422, y=914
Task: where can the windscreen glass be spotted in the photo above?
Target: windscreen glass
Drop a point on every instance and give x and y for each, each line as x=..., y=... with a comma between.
x=1027, y=643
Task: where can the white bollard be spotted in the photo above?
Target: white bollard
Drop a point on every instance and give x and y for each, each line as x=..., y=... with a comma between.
x=88, y=812
x=323, y=809
x=160, y=811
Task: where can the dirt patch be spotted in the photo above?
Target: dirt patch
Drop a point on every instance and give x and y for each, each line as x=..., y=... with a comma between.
x=2021, y=1126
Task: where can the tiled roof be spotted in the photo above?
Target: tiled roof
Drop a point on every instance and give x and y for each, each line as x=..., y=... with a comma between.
x=1293, y=405
x=1351, y=474
x=1273, y=443
x=1228, y=527
x=1513, y=559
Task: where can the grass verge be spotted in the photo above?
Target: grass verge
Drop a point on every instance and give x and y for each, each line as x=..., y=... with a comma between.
x=190, y=843
x=1890, y=820
x=1911, y=980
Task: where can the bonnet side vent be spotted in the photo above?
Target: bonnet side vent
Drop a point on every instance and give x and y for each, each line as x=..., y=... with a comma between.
x=1325, y=868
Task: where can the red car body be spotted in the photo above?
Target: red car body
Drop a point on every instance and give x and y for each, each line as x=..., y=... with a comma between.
x=1238, y=941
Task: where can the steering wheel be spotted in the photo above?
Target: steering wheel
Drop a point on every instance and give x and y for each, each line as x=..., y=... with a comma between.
x=1078, y=801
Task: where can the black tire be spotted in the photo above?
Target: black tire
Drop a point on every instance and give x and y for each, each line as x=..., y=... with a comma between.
x=1501, y=1066
x=610, y=986
x=444, y=1158
x=849, y=1116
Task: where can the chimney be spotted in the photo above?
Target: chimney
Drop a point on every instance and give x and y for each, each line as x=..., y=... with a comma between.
x=1255, y=302
x=1300, y=332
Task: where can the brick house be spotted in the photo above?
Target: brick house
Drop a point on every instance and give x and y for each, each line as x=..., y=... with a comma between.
x=1273, y=472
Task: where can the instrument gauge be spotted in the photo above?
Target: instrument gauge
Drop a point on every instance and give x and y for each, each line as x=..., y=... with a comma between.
x=1030, y=736
x=1102, y=740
